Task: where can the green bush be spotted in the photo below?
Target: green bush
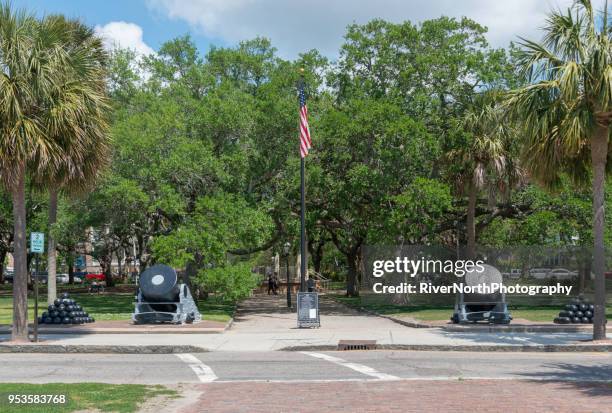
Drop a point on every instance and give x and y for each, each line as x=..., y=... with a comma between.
x=231, y=282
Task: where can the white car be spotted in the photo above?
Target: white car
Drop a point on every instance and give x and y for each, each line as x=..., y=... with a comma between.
x=539, y=273
x=514, y=273
x=562, y=274
x=65, y=279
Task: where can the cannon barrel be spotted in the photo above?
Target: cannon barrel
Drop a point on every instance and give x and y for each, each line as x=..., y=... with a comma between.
x=159, y=283
x=489, y=276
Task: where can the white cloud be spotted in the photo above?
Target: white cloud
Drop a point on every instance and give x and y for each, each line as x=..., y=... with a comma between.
x=124, y=35
x=296, y=26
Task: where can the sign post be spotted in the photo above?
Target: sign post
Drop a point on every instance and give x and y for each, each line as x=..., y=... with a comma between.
x=308, y=309
x=37, y=246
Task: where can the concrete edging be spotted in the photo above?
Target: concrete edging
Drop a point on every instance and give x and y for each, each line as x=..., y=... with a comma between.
x=123, y=330
x=523, y=328
x=504, y=348
x=101, y=349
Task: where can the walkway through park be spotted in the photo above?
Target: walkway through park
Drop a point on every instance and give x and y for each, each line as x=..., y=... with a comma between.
x=263, y=323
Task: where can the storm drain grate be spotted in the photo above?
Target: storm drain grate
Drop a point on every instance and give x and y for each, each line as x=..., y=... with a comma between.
x=344, y=345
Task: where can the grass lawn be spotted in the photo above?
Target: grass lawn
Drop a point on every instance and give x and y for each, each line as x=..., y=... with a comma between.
x=116, y=306
x=122, y=398
x=433, y=313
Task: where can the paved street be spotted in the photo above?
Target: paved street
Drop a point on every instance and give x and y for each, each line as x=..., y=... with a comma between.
x=303, y=366
x=353, y=381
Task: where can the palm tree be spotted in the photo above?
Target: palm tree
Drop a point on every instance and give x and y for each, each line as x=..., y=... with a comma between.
x=566, y=113
x=85, y=150
x=486, y=161
x=38, y=110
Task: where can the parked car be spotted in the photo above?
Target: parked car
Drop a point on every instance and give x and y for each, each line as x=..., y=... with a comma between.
x=539, y=273
x=562, y=274
x=514, y=273
x=41, y=277
x=94, y=277
x=8, y=277
x=65, y=279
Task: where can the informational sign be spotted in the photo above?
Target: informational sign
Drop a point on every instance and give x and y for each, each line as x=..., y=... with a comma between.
x=37, y=242
x=308, y=309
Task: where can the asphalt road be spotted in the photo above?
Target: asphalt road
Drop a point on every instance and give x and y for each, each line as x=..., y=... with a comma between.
x=303, y=366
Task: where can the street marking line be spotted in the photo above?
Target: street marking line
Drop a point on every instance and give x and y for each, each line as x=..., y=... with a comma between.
x=369, y=371
x=205, y=373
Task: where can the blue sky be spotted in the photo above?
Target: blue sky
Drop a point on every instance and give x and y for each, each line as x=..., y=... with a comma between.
x=293, y=26
x=157, y=27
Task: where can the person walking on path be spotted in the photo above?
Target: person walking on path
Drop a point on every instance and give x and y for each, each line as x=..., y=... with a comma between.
x=271, y=286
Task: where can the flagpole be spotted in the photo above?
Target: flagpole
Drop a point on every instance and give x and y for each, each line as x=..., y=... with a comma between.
x=303, y=259
x=303, y=228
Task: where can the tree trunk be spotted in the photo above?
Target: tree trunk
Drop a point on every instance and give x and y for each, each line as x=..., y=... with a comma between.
x=585, y=274
x=599, y=152
x=470, y=222
x=2, y=258
x=20, y=255
x=51, y=251
x=70, y=270
x=106, y=263
x=351, y=278
x=119, y=267
x=317, y=258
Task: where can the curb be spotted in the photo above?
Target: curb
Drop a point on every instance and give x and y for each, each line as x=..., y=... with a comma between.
x=121, y=330
x=505, y=348
x=536, y=328
x=67, y=331
x=101, y=349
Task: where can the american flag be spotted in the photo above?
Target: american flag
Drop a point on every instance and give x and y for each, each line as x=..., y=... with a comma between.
x=305, y=142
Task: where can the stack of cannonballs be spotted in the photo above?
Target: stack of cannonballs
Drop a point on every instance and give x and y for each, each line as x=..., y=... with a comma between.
x=65, y=311
x=578, y=311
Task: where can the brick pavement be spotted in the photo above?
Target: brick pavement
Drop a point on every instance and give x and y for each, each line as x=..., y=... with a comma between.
x=405, y=396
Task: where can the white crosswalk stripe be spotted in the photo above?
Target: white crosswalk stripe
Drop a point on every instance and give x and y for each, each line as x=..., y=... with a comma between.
x=205, y=373
x=363, y=369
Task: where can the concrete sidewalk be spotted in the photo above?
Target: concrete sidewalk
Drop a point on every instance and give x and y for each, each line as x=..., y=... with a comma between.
x=264, y=324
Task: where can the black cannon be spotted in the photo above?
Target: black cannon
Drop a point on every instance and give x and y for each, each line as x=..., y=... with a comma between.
x=162, y=298
x=473, y=307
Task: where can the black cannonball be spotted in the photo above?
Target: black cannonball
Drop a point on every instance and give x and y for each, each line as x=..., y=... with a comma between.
x=57, y=320
x=57, y=302
x=576, y=320
x=585, y=320
x=564, y=313
x=579, y=313
x=588, y=314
